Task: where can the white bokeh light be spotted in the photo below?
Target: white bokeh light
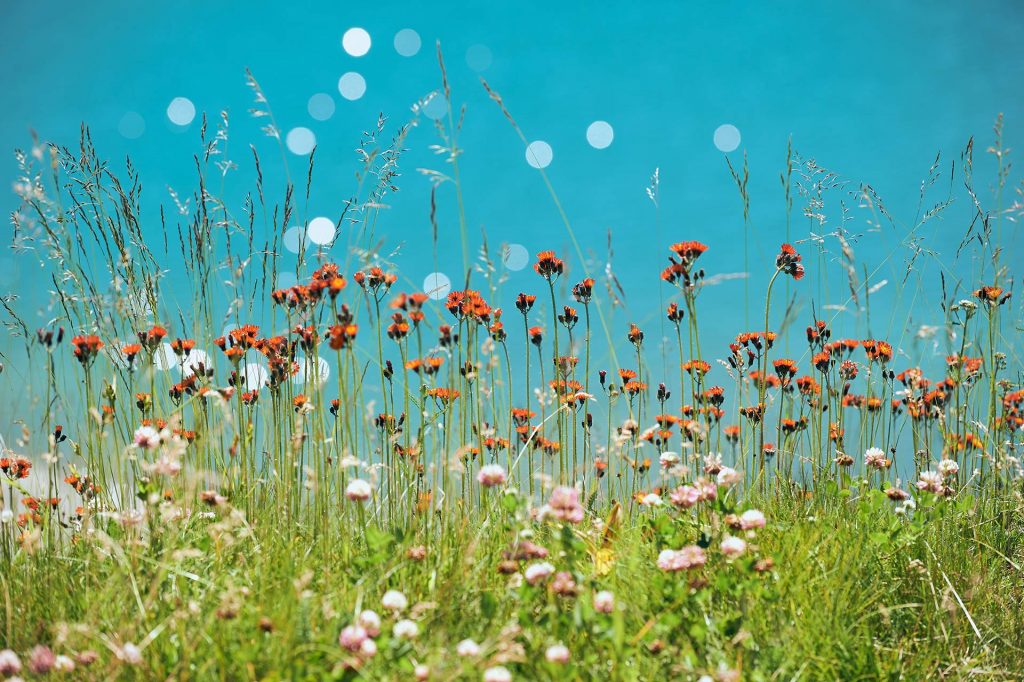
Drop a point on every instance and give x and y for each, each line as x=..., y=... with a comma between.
x=181, y=111
x=515, y=257
x=478, y=57
x=436, y=285
x=193, y=360
x=255, y=376
x=600, y=134
x=131, y=125
x=321, y=106
x=316, y=376
x=293, y=239
x=300, y=141
x=321, y=230
x=356, y=41
x=164, y=358
x=352, y=85
x=407, y=42
x=286, y=280
x=539, y=154
x=437, y=107
x=727, y=137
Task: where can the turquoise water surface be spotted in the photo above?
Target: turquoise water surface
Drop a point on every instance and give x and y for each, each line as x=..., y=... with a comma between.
x=870, y=91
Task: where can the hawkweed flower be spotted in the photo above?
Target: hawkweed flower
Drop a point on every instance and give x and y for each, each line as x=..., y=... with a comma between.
x=152, y=337
x=558, y=654
x=788, y=261
x=548, y=266
x=992, y=295
x=393, y=600
x=524, y=302
x=674, y=313
x=358, y=490
x=568, y=317
x=604, y=602
x=635, y=336
x=49, y=338
x=733, y=546
x=583, y=291
x=86, y=348
x=688, y=252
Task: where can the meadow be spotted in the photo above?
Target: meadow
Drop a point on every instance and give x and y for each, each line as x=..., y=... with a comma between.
x=350, y=478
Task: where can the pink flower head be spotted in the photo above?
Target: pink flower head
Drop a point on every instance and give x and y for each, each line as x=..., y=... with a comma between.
x=930, y=481
x=491, y=475
x=557, y=653
x=733, y=546
x=875, y=458
x=688, y=557
x=685, y=496
x=708, y=490
x=565, y=505
x=41, y=659
x=728, y=476
x=752, y=519
x=352, y=637
x=538, y=572
x=358, y=490
x=370, y=621
x=604, y=602
x=10, y=664
x=147, y=438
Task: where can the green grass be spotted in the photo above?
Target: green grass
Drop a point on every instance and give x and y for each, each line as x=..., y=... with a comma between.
x=855, y=593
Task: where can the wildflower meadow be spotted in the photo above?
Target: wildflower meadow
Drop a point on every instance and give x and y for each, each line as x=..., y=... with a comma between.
x=353, y=477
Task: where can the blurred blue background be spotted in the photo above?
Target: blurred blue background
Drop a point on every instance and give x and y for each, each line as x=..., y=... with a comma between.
x=871, y=91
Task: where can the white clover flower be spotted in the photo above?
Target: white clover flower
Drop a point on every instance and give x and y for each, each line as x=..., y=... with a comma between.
x=393, y=600
x=146, y=438
x=733, y=546
x=406, y=629
x=467, y=647
x=358, y=490
x=498, y=673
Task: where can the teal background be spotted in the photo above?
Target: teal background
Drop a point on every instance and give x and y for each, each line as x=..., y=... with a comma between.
x=870, y=90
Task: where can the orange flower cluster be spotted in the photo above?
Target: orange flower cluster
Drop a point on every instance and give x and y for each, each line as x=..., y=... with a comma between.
x=469, y=305
x=86, y=348
x=548, y=265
